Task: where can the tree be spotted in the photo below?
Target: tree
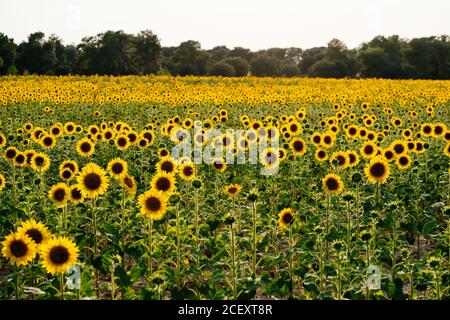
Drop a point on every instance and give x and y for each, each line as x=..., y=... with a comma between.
x=7, y=52
x=147, y=52
x=241, y=67
x=243, y=53
x=265, y=66
x=36, y=55
x=221, y=69
x=190, y=59
x=219, y=53
x=310, y=57
x=290, y=70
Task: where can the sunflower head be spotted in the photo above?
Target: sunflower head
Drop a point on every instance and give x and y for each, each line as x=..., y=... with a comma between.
x=20, y=249
x=37, y=231
x=85, y=147
x=58, y=254
x=40, y=162
x=332, y=184
x=187, y=171
x=153, y=204
x=163, y=182
x=286, y=217
x=117, y=168
x=232, y=190
x=167, y=164
x=59, y=194
x=92, y=181
x=377, y=171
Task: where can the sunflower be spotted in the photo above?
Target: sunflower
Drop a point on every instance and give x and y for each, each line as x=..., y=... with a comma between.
x=10, y=154
x=327, y=140
x=2, y=140
x=163, y=152
x=47, y=141
x=270, y=158
x=232, y=190
x=153, y=204
x=129, y=184
x=20, y=160
x=37, y=231
x=403, y=161
x=399, y=147
x=447, y=150
x=439, y=130
x=368, y=150
x=40, y=162
x=353, y=158
x=70, y=128
x=58, y=255
x=286, y=217
x=219, y=164
x=187, y=171
x=332, y=184
x=389, y=154
x=85, y=147
x=59, y=194
x=2, y=182
x=316, y=138
x=341, y=158
x=19, y=249
x=29, y=154
x=117, y=168
x=420, y=147
x=427, y=129
x=163, y=182
x=321, y=155
x=377, y=171
x=57, y=130
x=75, y=194
x=92, y=181
x=122, y=142
x=66, y=174
x=298, y=146
x=167, y=164
x=69, y=164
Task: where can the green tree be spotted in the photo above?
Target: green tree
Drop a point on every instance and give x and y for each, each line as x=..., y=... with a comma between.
x=190, y=59
x=221, y=69
x=265, y=66
x=7, y=52
x=241, y=67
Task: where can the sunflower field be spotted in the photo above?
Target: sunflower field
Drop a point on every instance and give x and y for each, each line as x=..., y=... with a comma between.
x=95, y=205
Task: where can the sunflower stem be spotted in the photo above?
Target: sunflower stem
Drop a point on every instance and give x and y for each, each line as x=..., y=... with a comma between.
x=254, y=240
x=178, y=267
x=233, y=262
x=61, y=285
x=97, y=275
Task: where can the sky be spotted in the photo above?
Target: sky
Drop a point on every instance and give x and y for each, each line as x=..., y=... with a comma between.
x=254, y=24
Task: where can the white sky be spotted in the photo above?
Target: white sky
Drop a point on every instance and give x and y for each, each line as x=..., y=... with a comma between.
x=254, y=24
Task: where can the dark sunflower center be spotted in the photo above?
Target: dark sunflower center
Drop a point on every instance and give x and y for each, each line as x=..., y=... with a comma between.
x=70, y=166
x=85, y=147
x=92, y=181
x=132, y=137
x=321, y=154
x=18, y=248
x=153, y=203
x=403, y=161
x=419, y=147
x=316, y=139
x=67, y=174
x=128, y=182
x=298, y=146
x=232, y=190
x=287, y=218
x=427, y=129
x=69, y=128
x=389, y=155
x=163, y=184
x=48, y=141
x=167, y=166
x=377, y=170
x=332, y=184
x=218, y=165
x=11, y=153
x=188, y=171
x=76, y=194
x=351, y=157
x=270, y=158
x=59, y=255
x=163, y=153
x=122, y=142
x=108, y=135
x=327, y=140
x=368, y=149
x=438, y=130
x=55, y=131
x=294, y=127
x=341, y=160
x=20, y=159
x=35, y=234
x=117, y=168
x=59, y=194
x=39, y=161
x=399, y=148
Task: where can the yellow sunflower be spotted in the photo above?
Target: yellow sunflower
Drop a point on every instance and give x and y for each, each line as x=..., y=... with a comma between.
x=332, y=184
x=163, y=182
x=270, y=157
x=58, y=255
x=403, y=161
x=321, y=155
x=69, y=164
x=59, y=194
x=232, y=190
x=2, y=182
x=298, y=146
x=75, y=194
x=167, y=164
x=92, y=181
x=40, y=162
x=187, y=171
x=85, y=147
x=117, y=168
x=37, y=231
x=20, y=249
x=219, y=164
x=129, y=184
x=153, y=204
x=286, y=218
x=377, y=171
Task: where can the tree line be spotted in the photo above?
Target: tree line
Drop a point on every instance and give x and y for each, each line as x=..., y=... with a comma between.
x=120, y=53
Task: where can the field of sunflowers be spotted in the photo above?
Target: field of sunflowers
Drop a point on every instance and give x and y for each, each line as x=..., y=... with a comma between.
x=95, y=205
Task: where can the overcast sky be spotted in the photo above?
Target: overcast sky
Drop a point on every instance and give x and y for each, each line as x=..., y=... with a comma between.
x=255, y=24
